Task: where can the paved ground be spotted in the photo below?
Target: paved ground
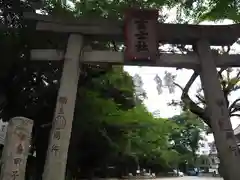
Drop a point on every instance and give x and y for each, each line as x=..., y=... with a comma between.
x=191, y=178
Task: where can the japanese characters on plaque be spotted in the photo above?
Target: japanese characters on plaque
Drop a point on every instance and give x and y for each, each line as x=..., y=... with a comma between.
x=59, y=124
x=141, y=35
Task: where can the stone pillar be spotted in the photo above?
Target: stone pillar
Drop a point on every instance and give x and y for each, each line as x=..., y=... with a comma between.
x=55, y=165
x=218, y=112
x=16, y=149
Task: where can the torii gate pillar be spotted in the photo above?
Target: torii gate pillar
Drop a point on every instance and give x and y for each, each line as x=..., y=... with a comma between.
x=218, y=111
x=55, y=165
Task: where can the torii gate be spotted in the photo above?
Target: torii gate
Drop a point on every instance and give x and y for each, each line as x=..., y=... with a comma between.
x=101, y=29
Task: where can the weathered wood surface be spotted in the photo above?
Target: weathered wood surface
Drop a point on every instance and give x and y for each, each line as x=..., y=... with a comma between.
x=189, y=61
x=113, y=30
x=16, y=149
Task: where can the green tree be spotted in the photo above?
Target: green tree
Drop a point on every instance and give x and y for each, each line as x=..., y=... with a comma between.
x=213, y=10
x=150, y=142
x=186, y=138
x=131, y=138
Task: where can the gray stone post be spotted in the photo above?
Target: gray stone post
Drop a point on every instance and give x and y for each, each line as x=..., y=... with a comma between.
x=218, y=112
x=55, y=165
x=16, y=149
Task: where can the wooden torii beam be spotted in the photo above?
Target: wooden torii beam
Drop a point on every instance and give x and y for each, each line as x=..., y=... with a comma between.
x=202, y=37
x=104, y=29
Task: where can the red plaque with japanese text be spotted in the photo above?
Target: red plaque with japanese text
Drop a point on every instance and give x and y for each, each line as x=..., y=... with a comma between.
x=141, y=34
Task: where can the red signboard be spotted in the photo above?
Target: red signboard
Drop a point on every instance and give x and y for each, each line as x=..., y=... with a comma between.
x=141, y=34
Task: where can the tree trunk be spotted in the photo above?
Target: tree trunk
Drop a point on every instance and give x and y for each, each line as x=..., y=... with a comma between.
x=218, y=113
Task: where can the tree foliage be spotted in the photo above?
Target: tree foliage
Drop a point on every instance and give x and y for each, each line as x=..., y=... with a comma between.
x=229, y=79
x=187, y=137
x=213, y=10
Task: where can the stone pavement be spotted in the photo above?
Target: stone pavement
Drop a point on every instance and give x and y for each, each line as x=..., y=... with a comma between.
x=191, y=178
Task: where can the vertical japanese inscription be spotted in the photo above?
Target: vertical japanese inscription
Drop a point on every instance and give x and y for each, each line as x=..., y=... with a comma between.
x=17, y=161
x=15, y=174
x=226, y=128
x=60, y=124
x=141, y=34
x=234, y=149
x=222, y=122
x=20, y=148
x=60, y=120
x=55, y=149
x=57, y=134
x=62, y=101
x=22, y=136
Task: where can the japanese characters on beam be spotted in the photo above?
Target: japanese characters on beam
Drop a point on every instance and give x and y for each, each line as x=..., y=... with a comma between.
x=141, y=35
x=3, y=131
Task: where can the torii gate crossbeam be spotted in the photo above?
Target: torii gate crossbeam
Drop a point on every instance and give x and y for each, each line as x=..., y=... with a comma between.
x=188, y=61
x=104, y=29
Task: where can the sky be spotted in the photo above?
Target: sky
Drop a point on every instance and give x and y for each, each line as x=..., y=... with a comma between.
x=156, y=102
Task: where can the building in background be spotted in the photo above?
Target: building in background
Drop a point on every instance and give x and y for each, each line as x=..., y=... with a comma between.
x=237, y=134
x=213, y=155
x=202, y=161
x=213, y=158
x=204, y=147
x=3, y=131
